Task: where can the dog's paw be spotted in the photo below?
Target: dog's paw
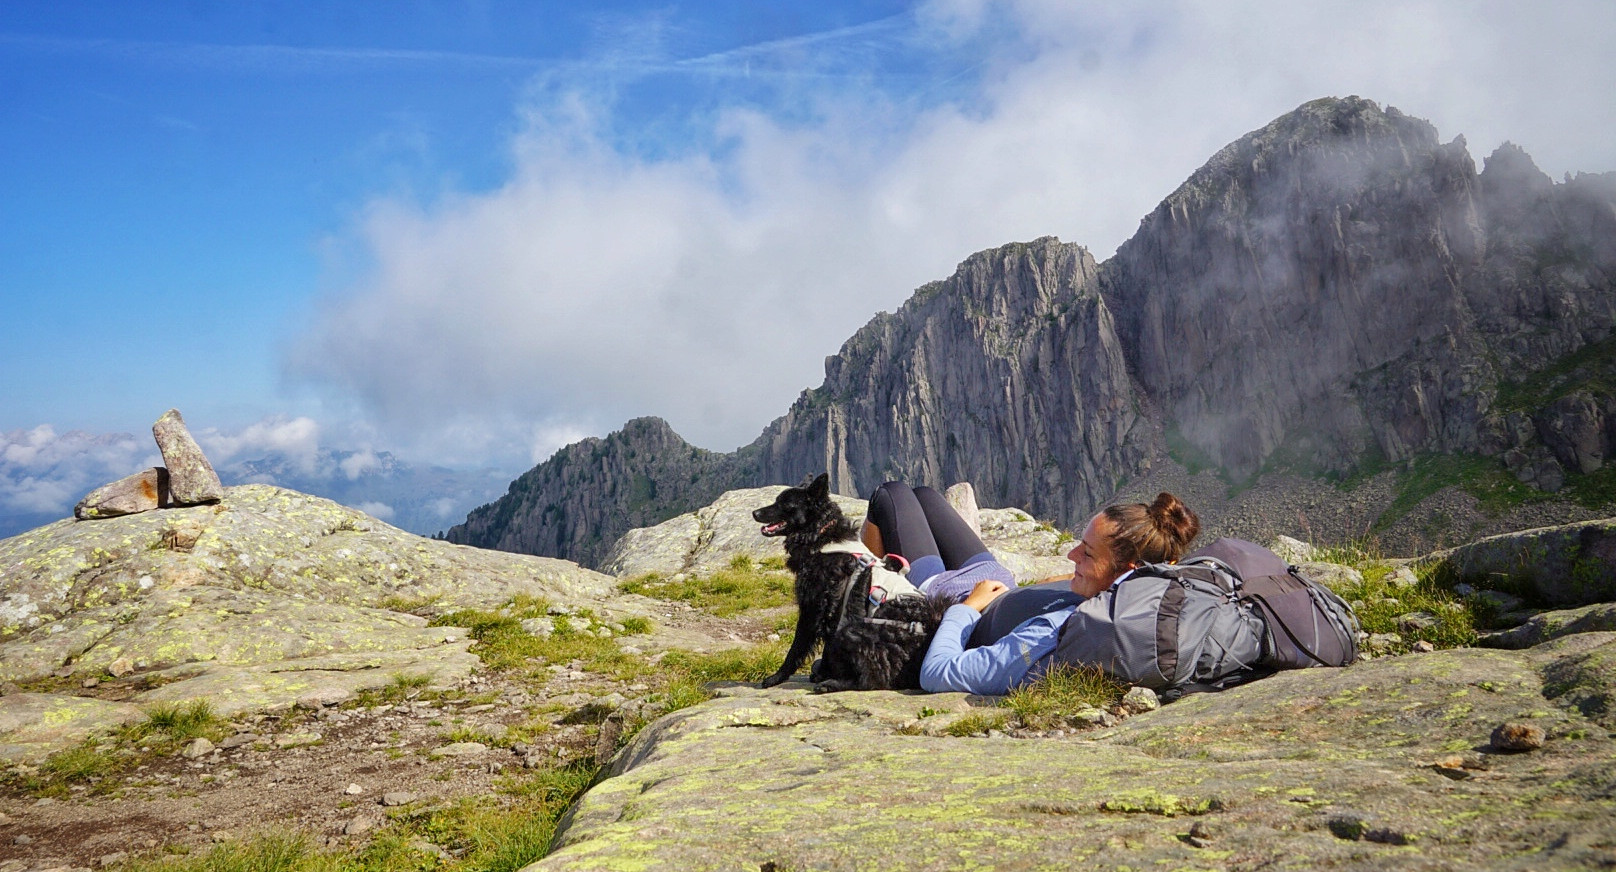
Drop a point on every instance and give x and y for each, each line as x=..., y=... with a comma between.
x=832, y=686
x=774, y=679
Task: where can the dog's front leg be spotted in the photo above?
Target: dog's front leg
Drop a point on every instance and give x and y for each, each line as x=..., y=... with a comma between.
x=801, y=645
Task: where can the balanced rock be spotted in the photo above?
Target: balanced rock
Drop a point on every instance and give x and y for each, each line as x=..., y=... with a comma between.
x=141, y=492
x=191, y=478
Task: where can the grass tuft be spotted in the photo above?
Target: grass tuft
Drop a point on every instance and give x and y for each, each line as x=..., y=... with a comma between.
x=175, y=724
x=977, y=722
x=1064, y=690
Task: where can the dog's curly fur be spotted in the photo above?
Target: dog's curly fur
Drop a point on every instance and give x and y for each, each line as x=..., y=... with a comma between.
x=857, y=654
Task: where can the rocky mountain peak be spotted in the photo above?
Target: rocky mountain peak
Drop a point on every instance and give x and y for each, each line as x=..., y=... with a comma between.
x=1339, y=289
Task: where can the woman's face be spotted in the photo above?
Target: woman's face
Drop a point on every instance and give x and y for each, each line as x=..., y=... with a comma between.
x=1094, y=567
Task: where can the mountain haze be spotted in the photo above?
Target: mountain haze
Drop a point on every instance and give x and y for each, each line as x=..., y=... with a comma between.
x=1335, y=293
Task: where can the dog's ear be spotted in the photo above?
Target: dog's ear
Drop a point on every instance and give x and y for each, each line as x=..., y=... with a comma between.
x=806, y=482
x=821, y=485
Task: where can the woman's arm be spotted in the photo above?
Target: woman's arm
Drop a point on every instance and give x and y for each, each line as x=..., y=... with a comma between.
x=990, y=669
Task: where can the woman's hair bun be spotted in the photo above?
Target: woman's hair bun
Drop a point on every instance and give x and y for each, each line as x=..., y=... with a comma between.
x=1174, y=519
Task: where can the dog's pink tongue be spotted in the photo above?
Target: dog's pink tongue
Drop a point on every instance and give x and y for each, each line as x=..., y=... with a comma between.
x=770, y=528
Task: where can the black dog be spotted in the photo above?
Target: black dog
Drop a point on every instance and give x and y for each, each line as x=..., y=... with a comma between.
x=863, y=650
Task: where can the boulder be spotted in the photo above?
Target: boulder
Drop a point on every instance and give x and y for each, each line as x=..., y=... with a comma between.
x=141, y=492
x=1569, y=565
x=1573, y=427
x=264, y=599
x=1294, y=550
x=1545, y=626
x=192, y=480
x=35, y=725
x=706, y=540
x=1313, y=768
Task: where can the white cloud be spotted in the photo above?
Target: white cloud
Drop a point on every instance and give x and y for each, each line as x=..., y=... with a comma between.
x=378, y=510
x=298, y=439
x=45, y=473
x=359, y=463
x=706, y=284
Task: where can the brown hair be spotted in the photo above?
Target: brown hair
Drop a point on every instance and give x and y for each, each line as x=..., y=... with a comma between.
x=1158, y=533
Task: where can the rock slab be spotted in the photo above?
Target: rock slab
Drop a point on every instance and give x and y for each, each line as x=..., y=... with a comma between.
x=1318, y=768
x=1569, y=565
x=192, y=480
x=141, y=492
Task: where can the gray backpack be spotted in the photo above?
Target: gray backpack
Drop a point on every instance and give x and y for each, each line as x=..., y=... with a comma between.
x=1224, y=615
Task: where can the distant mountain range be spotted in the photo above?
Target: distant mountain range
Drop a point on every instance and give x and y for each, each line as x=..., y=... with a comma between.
x=420, y=499
x=1337, y=294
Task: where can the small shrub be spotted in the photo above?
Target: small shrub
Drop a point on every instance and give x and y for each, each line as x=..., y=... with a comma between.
x=471, y=734
x=527, y=606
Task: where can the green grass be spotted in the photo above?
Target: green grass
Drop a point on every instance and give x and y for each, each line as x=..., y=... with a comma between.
x=1596, y=490
x=753, y=663
x=743, y=586
x=636, y=626
x=1064, y=690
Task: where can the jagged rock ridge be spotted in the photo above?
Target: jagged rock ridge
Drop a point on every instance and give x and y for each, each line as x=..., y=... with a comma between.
x=1339, y=287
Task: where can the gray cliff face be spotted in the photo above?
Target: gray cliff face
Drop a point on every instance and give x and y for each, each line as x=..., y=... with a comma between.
x=1337, y=290
x=591, y=492
x=1340, y=283
x=1009, y=374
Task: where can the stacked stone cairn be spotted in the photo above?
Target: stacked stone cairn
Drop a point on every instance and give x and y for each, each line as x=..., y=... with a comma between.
x=186, y=478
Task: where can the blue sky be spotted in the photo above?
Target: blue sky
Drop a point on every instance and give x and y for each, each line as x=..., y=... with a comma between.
x=469, y=232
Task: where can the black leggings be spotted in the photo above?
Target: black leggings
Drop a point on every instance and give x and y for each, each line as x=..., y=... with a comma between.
x=919, y=525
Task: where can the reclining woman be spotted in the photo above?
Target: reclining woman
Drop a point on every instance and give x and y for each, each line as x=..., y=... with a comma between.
x=946, y=558
x=1116, y=541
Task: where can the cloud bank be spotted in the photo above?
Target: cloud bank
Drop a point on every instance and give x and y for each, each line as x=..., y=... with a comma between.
x=704, y=278
x=43, y=473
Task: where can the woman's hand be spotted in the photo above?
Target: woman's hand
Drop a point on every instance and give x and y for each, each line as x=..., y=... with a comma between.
x=985, y=592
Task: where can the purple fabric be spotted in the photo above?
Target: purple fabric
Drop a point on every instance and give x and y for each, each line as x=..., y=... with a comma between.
x=957, y=583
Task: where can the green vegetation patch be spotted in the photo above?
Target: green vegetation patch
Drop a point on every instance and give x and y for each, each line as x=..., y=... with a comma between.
x=977, y=723
x=1186, y=454
x=503, y=645
x=1064, y=690
x=96, y=762
x=1444, y=618
x=169, y=725
x=1483, y=478
x=743, y=586
x=1591, y=368
x=1149, y=801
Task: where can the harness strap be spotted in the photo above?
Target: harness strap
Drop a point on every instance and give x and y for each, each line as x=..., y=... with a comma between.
x=914, y=627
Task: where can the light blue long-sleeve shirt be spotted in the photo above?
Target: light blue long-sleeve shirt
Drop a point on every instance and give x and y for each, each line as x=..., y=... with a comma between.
x=990, y=669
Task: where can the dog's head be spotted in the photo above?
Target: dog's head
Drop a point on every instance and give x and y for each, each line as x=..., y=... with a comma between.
x=802, y=509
